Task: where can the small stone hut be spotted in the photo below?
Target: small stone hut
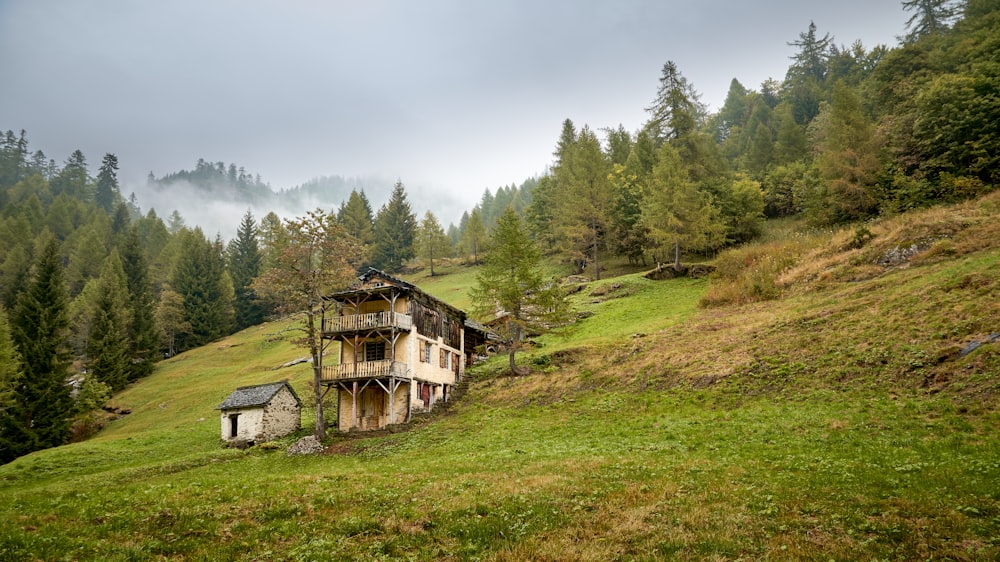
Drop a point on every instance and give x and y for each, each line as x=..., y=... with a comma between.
x=259, y=413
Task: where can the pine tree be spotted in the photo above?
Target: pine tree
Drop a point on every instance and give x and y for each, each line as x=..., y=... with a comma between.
x=567, y=138
x=107, y=194
x=73, y=179
x=198, y=278
x=356, y=216
x=13, y=158
x=677, y=214
x=432, y=241
x=805, y=77
x=474, y=235
x=811, y=59
x=628, y=235
x=270, y=234
x=395, y=229
x=847, y=161
x=108, y=357
x=143, y=335
x=11, y=374
x=676, y=110
x=929, y=17
x=87, y=250
x=510, y=283
x=43, y=404
x=583, y=210
x=539, y=214
x=245, y=259
x=121, y=218
x=175, y=223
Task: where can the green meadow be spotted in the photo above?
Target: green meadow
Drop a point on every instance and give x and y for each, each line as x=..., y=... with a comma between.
x=837, y=415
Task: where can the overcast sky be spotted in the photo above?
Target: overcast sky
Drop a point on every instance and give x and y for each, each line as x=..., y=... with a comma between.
x=450, y=96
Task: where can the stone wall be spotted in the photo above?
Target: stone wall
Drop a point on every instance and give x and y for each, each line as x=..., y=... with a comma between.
x=247, y=425
x=281, y=416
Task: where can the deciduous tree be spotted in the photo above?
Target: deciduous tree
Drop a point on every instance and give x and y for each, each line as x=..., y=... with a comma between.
x=313, y=260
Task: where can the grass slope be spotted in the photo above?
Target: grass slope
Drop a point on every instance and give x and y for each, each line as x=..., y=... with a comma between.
x=839, y=421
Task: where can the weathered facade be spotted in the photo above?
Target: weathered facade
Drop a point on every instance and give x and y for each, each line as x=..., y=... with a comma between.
x=401, y=351
x=259, y=413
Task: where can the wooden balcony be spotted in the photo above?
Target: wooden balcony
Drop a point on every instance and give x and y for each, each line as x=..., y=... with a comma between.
x=365, y=370
x=362, y=322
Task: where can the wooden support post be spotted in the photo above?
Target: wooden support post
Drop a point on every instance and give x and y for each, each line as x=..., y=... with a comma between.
x=354, y=406
x=392, y=400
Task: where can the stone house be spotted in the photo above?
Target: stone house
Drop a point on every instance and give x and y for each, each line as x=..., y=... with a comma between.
x=259, y=413
x=401, y=351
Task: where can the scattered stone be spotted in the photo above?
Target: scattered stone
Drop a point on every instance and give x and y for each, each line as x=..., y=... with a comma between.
x=308, y=445
x=897, y=255
x=699, y=270
x=668, y=271
x=306, y=359
x=605, y=289
x=972, y=346
x=241, y=444
x=663, y=272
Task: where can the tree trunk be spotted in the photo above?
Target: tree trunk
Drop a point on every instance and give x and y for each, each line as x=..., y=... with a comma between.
x=517, y=371
x=514, y=333
x=597, y=263
x=317, y=361
x=677, y=255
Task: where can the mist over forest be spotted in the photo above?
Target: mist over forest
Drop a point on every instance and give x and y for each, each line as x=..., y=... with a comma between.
x=215, y=196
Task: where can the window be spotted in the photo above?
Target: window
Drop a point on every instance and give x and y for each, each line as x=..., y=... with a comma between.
x=375, y=351
x=428, y=350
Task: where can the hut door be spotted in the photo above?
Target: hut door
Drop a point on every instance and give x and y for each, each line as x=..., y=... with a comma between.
x=425, y=394
x=234, y=425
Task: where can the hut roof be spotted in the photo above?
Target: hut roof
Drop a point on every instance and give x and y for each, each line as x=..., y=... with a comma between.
x=257, y=395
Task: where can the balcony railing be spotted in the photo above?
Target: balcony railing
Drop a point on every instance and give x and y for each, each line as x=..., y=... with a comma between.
x=365, y=369
x=372, y=321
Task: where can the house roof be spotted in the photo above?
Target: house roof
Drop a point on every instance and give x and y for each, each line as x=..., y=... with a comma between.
x=396, y=282
x=257, y=395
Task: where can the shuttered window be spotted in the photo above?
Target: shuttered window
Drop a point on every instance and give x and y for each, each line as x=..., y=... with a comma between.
x=375, y=351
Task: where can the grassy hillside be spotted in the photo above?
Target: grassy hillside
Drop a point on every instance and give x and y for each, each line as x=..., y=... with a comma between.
x=823, y=409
